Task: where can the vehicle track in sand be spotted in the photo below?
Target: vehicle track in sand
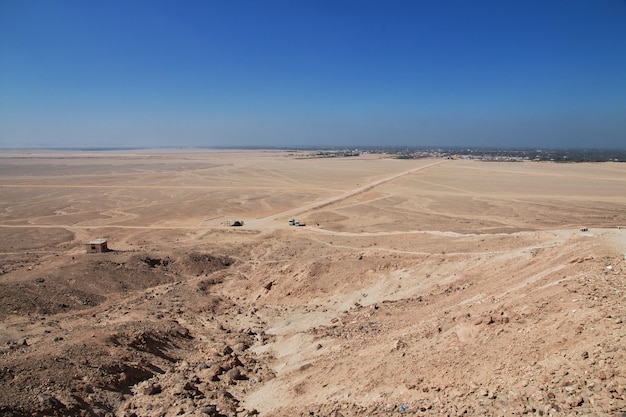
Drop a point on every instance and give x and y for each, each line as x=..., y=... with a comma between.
x=256, y=222
x=331, y=200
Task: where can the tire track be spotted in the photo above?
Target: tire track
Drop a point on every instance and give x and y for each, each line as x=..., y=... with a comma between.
x=351, y=193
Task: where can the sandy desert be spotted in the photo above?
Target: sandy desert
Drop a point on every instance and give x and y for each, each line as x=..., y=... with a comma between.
x=419, y=287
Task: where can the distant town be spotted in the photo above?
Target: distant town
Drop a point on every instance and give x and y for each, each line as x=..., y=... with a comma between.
x=484, y=154
x=403, y=152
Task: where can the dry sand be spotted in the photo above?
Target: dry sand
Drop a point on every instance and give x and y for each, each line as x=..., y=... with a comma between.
x=417, y=287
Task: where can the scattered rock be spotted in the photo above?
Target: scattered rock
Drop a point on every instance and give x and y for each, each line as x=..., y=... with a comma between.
x=209, y=410
x=576, y=401
x=150, y=388
x=233, y=375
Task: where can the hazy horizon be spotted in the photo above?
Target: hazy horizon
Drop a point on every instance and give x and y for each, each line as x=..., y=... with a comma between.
x=280, y=74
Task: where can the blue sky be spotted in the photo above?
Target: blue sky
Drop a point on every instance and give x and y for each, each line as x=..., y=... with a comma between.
x=313, y=73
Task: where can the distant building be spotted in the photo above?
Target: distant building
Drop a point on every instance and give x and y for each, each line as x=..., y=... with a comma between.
x=97, y=246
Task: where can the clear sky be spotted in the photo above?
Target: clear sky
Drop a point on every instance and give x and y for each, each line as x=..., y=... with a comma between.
x=518, y=73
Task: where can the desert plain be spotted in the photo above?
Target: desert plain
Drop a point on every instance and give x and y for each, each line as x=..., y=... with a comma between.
x=413, y=287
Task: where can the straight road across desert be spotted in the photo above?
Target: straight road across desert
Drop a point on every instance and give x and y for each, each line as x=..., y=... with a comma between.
x=351, y=193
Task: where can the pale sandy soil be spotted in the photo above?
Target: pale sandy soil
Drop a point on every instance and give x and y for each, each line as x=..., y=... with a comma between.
x=417, y=287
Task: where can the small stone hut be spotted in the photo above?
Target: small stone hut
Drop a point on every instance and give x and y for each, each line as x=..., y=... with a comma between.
x=97, y=246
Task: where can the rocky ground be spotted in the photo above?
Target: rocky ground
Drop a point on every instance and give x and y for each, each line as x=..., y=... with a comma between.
x=286, y=325
x=337, y=318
